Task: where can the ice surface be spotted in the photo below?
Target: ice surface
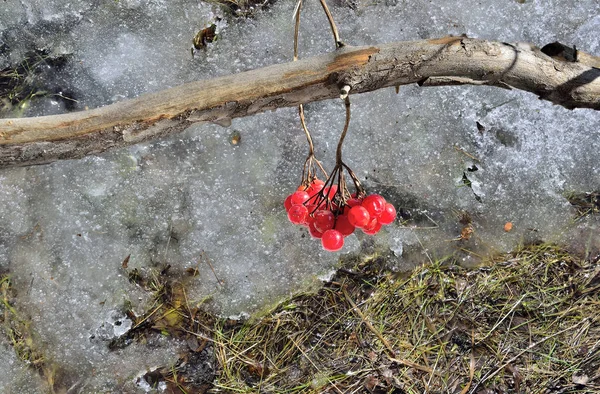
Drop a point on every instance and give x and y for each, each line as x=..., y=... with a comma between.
x=196, y=199
x=15, y=376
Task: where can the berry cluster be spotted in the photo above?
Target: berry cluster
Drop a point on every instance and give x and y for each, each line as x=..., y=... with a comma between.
x=330, y=217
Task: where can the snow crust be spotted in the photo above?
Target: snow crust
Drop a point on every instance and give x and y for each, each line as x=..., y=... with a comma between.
x=15, y=377
x=65, y=228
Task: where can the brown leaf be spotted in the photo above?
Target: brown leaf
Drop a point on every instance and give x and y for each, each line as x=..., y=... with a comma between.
x=205, y=36
x=514, y=370
x=371, y=382
x=125, y=262
x=258, y=369
x=466, y=232
x=353, y=339
x=192, y=271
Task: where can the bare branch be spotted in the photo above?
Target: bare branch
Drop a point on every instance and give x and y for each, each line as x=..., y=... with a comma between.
x=448, y=60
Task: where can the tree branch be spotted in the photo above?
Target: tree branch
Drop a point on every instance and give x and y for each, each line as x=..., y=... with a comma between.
x=443, y=61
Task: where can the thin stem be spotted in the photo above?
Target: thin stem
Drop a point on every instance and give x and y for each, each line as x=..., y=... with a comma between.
x=338, y=156
x=309, y=165
x=334, y=30
x=311, y=148
x=357, y=185
x=310, y=168
x=337, y=176
x=297, y=28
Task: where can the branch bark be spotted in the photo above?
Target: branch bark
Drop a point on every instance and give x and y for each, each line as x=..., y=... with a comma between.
x=443, y=61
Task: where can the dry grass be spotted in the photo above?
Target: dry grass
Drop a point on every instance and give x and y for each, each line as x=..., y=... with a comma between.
x=585, y=203
x=526, y=322
x=16, y=327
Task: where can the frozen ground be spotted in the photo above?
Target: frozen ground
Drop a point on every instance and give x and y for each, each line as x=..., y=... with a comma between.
x=195, y=198
x=16, y=377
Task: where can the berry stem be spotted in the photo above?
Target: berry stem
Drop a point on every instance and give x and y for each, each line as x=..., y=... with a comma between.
x=360, y=191
x=334, y=30
x=338, y=156
x=311, y=148
x=311, y=163
x=297, y=28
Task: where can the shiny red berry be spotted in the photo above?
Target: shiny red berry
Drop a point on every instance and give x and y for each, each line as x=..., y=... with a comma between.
x=332, y=240
x=388, y=215
x=375, y=204
x=358, y=216
x=297, y=214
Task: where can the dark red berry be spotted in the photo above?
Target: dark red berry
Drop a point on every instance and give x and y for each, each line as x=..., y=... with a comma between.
x=324, y=220
x=343, y=225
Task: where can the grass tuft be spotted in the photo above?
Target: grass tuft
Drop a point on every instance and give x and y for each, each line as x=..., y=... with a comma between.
x=524, y=322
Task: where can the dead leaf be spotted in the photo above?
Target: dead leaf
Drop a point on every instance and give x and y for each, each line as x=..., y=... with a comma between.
x=192, y=271
x=125, y=262
x=466, y=232
x=353, y=339
x=372, y=356
x=388, y=376
x=258, y=369
x=514, y=370
x=205, y=36
x=371, y=382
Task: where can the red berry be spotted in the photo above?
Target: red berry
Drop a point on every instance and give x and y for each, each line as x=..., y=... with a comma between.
x=329, y=192
x=310, y=219
x=297, y=214
x=324, y=220
x=288, y=203
x=317, y=182
x=352, y=202
x=313, y=231
x=311, y=207
x=315, y=186
x=373, y=227
x=314, y=189
x=375, y=204
x=343, y=225
x=358, y=216
x=388, y=215
x=299, y=197
x=332, y=240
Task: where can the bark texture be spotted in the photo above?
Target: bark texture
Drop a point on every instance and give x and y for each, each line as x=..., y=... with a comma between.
x=443, y=61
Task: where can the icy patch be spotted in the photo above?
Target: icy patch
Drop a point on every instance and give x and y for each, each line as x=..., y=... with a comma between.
x=15, y=375
x=114, y=327
x=326, y=277
x=396, y=246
